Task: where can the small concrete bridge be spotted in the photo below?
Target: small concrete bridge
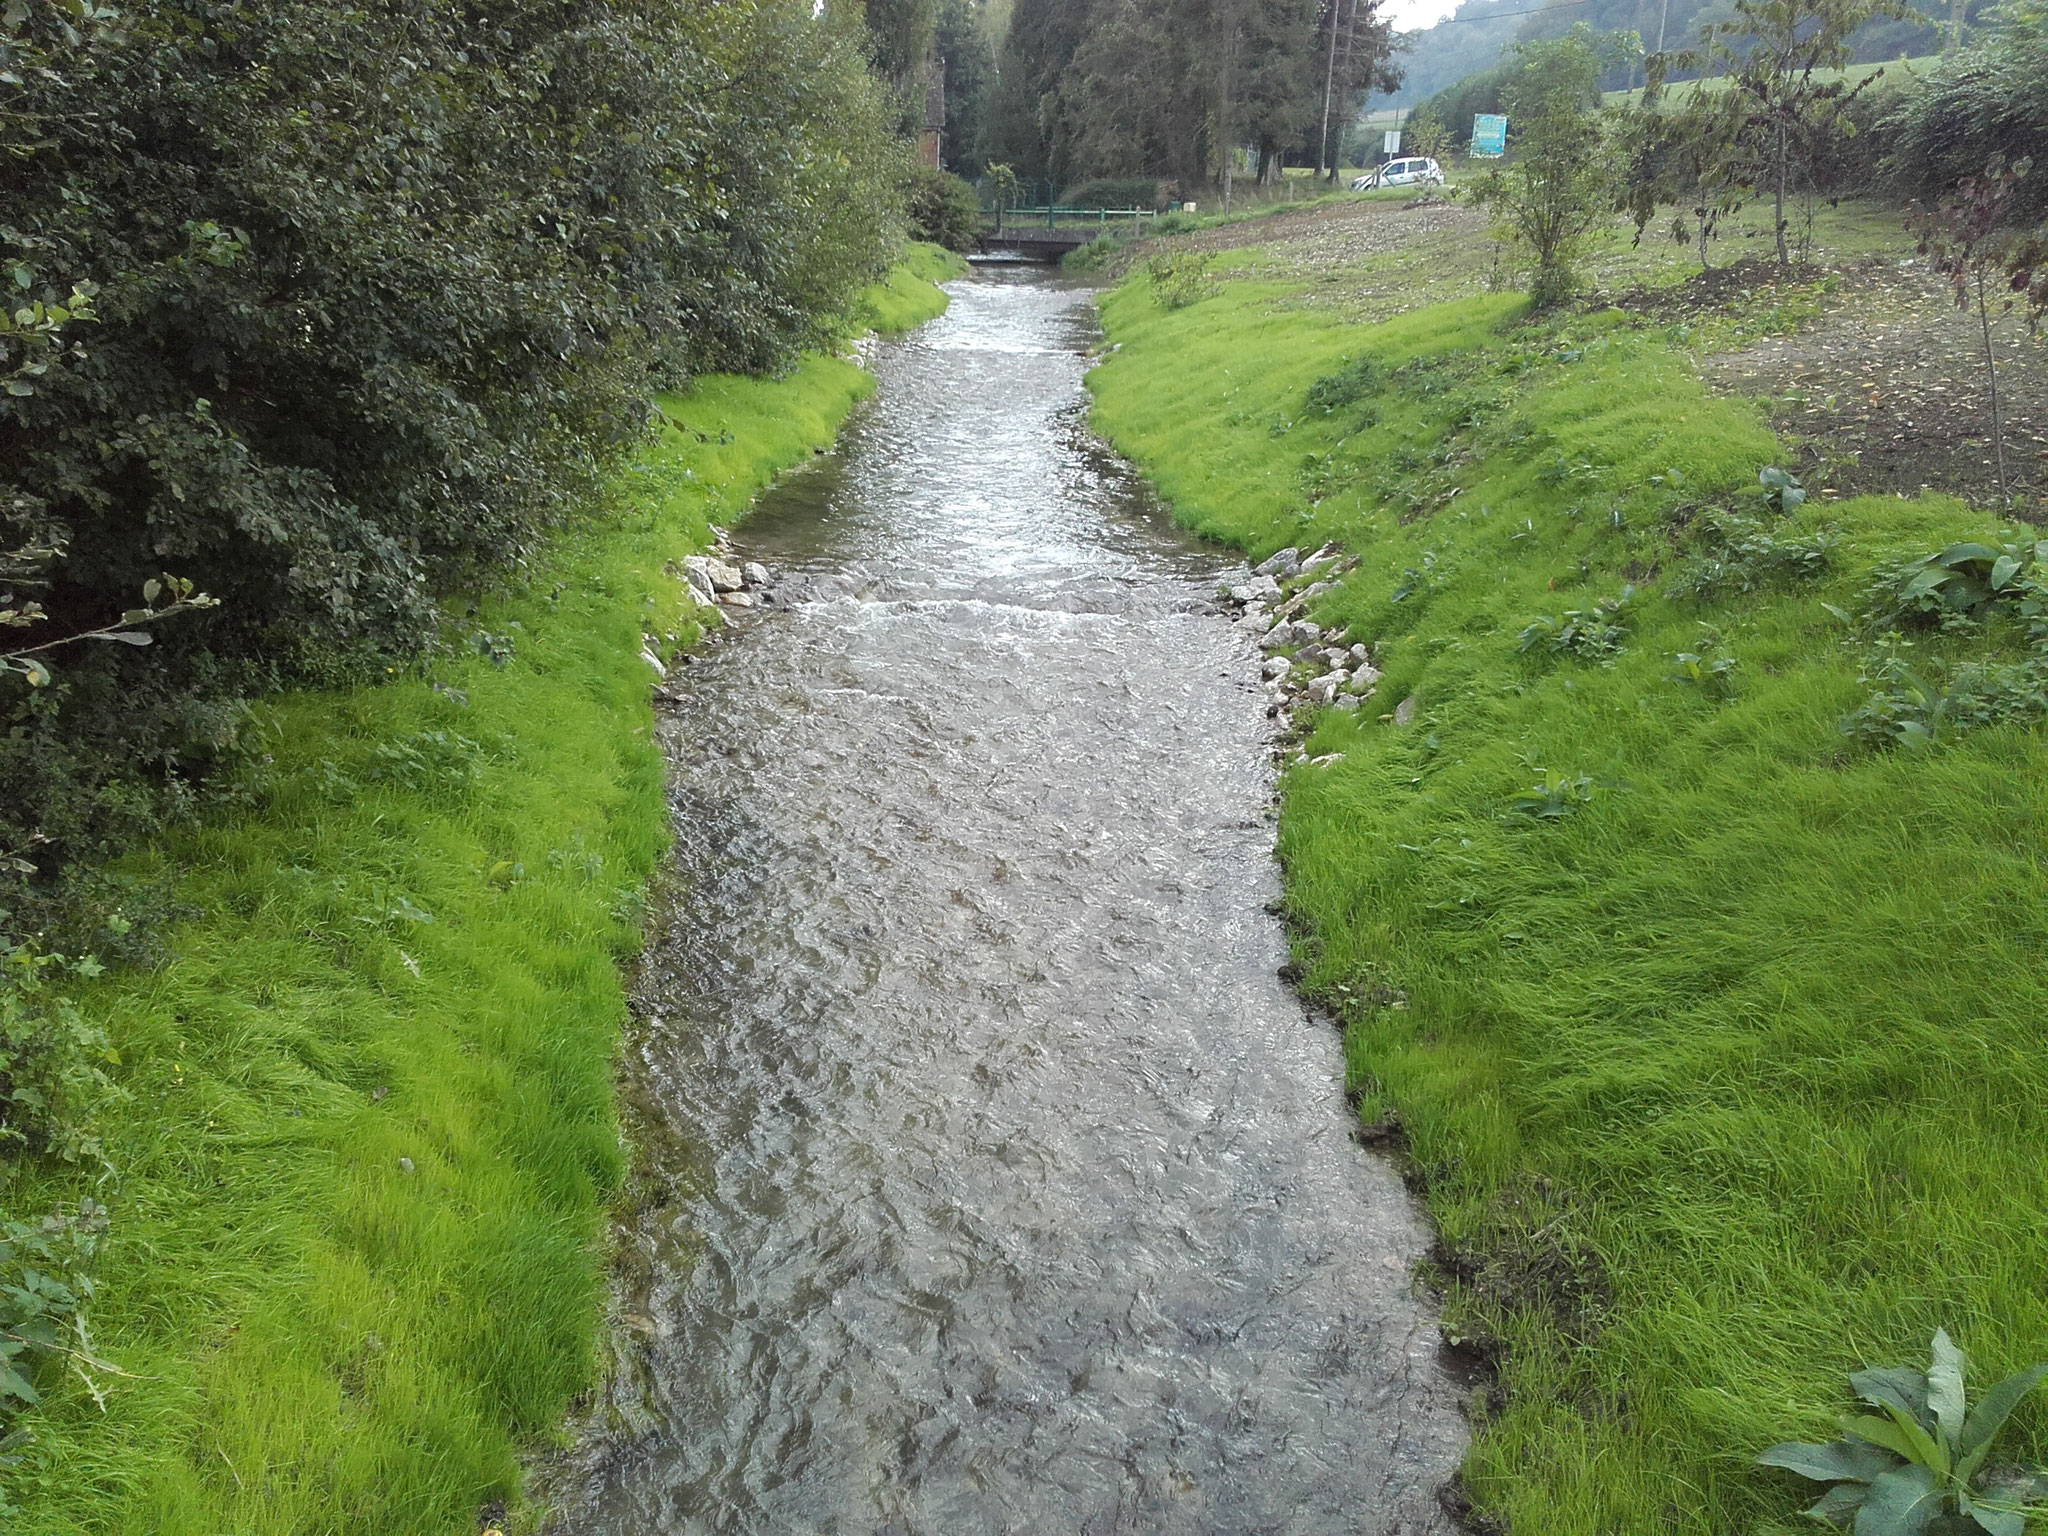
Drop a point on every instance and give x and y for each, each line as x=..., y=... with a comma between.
x=1047, y=234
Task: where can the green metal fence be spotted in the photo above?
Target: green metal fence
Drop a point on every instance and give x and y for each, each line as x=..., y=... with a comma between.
x=1054, y=217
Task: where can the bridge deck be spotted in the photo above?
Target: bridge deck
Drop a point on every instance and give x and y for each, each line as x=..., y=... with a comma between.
x=1049, y=233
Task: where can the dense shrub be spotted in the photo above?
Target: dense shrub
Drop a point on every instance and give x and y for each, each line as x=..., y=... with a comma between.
x=942, y=209
x=380, y=291
x=1972, y=105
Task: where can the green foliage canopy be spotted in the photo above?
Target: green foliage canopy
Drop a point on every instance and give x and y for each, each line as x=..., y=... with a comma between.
x=380, y=293
x=1169, y=88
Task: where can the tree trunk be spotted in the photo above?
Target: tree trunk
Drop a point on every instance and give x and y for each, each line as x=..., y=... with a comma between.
x=1345, y=81
x=1323, y=156
x=1991, y=369
x=1227, y=126
x=1783, y=157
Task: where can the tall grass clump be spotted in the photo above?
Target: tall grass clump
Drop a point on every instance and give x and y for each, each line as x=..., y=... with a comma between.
x=1713, y=1028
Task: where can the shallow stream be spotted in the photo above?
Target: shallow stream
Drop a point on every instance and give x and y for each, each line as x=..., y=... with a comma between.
x=1010, y=1189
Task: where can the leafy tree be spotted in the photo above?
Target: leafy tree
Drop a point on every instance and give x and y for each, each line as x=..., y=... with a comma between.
x=1963, y=239
x=1458, y=103
x=1359, y=48
x=1425, y=134
x=1002, y=186
x=900, y=34
x=1561, y=183
x=1772, y=52
x=1174, y=88
x=969, y=62
x=1696, y=157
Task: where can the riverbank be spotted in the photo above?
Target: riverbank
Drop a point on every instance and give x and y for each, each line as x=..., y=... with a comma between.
x=1710, y=1030
x=368, y=1139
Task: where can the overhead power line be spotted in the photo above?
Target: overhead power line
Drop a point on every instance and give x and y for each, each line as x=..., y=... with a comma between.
x=1564, y=5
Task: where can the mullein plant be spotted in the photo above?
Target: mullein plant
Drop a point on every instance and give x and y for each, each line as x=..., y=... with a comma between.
x=1916, y=1467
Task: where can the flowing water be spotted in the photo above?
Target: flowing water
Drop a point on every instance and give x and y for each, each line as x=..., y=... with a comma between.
x=1005, y=1187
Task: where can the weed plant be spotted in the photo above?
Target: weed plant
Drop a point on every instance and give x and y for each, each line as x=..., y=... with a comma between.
x=1720, y=1081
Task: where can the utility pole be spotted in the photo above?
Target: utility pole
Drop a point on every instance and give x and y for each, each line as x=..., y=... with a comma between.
x=1329, y=90
x=1229, y=124
x=1337, y=149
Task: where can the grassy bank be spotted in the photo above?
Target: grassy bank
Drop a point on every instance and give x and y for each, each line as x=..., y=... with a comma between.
x=907, y=296
x=368, y=1138
x=1714, y=1033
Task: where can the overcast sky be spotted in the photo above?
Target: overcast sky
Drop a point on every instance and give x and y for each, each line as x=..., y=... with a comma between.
x=1407, y=15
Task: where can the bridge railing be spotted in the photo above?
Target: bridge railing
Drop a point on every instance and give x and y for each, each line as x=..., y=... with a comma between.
x=1054, y=217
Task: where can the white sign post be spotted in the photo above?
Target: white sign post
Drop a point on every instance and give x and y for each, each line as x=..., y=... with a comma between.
x=1390, y=142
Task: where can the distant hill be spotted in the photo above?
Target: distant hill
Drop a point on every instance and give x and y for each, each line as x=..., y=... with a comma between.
x=1473, y=38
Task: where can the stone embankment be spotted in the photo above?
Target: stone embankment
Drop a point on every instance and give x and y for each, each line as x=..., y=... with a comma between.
x=716, y=581
x=1306, y=664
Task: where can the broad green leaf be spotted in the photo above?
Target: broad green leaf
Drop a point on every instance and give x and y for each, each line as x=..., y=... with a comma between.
x=1839, y=1504
x=1994, y=1408
x=1894, y=1384
x=14, y=1384
x=1927, y=581
x=2004, y=571
x=1885, y=1432
x=1961, y=554
x=1999, y=1522
x=1945, y=1386
x=1926, y=1447
x=1855, y=1460
x=1899, y=1504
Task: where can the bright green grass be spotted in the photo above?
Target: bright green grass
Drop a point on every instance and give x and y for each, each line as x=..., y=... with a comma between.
x=317, y=1340
x=1736, y=1078
x=908, y=297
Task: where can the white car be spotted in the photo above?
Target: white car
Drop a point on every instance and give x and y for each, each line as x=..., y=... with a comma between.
x=1411, y=172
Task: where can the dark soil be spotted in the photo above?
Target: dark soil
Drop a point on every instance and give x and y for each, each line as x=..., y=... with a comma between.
x=1886, y=391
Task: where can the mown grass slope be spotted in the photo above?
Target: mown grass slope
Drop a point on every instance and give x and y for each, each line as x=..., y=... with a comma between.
x=369, y=1135
x=1724, y=1070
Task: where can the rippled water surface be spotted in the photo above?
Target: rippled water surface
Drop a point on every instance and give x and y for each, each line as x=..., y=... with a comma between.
x=1010, y=1189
